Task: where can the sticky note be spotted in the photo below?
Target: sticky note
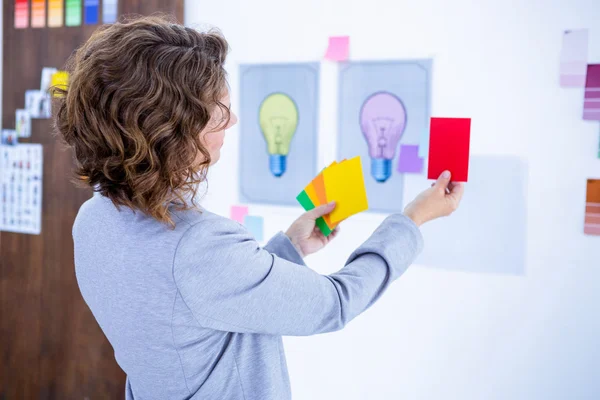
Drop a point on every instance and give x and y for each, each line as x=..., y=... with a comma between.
x=591, y=103
x=574, y=58
x=592, y=208
x=409, y=160
x=55, y=13
x=59, y=79
x=21, y=14
x=238, y=213
x=345, y=184
x=449, y=140
x=254, y=224
x=338, y=49
x=38, y=13
x=308, y=205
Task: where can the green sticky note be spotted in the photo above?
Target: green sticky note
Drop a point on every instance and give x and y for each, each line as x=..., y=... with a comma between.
x=308, y=205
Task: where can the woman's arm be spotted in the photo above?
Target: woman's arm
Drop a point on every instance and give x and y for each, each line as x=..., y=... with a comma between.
x=281, y=246
x=231, y=284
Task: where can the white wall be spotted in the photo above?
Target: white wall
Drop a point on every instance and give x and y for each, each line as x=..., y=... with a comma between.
x=438, y=334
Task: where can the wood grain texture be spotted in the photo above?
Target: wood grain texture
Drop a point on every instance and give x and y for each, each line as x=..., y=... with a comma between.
x=50, y=344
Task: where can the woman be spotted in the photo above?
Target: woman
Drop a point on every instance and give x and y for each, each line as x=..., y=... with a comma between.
x=192, y=306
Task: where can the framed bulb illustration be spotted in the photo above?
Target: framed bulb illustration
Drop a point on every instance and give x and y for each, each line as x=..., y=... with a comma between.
x=382, y=121
x=278, y=119
x=278, y=130
x=382, y=106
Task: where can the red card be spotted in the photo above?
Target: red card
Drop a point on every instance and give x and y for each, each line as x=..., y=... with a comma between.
x=449, y=148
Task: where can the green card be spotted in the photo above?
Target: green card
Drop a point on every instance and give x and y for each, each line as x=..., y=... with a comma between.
x=308, y=205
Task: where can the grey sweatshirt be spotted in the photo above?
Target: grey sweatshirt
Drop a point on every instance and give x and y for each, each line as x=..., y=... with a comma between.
x=198, y=312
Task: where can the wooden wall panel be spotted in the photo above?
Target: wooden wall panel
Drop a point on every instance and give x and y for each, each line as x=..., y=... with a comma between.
x=50, y=345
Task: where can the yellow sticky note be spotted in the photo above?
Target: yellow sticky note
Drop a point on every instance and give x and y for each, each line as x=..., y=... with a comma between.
x=60, y=80
x=345, y=184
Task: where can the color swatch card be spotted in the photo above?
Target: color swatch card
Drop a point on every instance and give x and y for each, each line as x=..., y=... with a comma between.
x=574, y=58
x=38, y=13
x=592, y=208
x=73, y=12
x=21, y=14
x=110, y=11
x=449, y=140
x=55, y=13
x=91, y=8
x=340, y=182
x=591, y=103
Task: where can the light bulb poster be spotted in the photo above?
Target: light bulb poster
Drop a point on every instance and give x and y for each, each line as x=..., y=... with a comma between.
x=278, y=130
x=383, y=105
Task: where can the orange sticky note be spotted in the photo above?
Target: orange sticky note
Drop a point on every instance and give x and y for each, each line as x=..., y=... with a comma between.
x=345, y=184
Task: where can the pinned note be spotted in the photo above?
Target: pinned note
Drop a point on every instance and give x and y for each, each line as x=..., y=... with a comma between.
x=591, y=104
x=255, y=225
x=573, y=58
x=238, y=213
x=345, y=184
x=592, y=208
x=409, y=160
x=338, y=49
x=449, y=140
x=59, y=80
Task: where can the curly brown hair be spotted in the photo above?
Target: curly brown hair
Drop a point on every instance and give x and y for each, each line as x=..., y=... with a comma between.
x=140, y=93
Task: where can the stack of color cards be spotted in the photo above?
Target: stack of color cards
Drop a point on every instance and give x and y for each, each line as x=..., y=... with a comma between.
x=341, y=182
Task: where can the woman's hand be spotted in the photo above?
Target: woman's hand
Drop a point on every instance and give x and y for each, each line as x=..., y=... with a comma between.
x=440, y=200
x=306, y=236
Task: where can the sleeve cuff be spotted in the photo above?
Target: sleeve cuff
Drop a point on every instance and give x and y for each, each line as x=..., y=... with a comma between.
x=281, y=246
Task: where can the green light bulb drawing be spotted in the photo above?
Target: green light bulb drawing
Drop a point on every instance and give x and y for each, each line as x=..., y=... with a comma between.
x=278, y=118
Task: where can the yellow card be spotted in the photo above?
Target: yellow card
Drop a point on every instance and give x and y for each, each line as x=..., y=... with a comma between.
x=345, y=184
x=60, y=79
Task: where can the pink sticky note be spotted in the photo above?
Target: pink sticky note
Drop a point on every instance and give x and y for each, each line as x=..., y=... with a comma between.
x=409, y=160
x=339, y=48
x=238, y=213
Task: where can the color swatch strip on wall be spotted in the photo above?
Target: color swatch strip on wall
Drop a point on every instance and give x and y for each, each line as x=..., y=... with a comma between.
x=38, y=13
x=591, y=104
x=73, y=13
x=592, y=208
x=573, y=58
x=55, y=13
x=110, y=11
x=91, y=8
x=21, y=14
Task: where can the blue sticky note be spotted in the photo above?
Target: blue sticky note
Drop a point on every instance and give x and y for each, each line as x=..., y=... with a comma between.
x=255, y=225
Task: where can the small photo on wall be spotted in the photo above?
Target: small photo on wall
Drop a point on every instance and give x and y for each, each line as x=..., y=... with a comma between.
x=278, y=124
x=38, y=104
x=9, y=137
x=47, y=73
x=23, y=123
x=383, y=116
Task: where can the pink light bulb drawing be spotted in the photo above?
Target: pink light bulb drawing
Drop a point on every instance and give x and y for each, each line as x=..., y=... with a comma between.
x=382, y=121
